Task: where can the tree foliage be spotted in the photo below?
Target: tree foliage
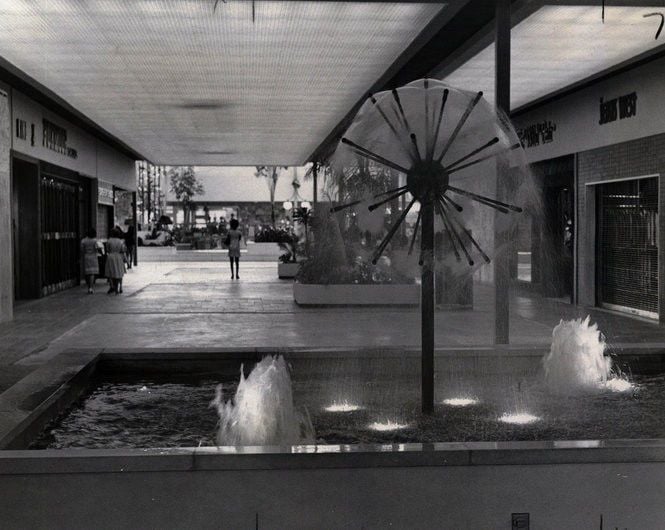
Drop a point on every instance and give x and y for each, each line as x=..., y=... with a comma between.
x=361, y=179
x=185, y=186
x=271, y=175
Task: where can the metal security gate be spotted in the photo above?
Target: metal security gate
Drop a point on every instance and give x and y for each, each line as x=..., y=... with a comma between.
x=60, y=234
x=627, y=246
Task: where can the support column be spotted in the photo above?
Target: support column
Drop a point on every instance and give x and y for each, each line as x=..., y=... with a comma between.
x=315, y=178
x=6, y=240
x=135, y=252
x=502, y=98
x=427, y=306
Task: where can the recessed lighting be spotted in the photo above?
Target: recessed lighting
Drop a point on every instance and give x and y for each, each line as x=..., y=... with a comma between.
x=343, y=407
x=387, y=426
x=460, y=402
x=518, y=418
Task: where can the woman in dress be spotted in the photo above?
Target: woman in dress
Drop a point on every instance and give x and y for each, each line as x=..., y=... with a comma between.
x=233, y=241
x=115, y=261
x=89, y=257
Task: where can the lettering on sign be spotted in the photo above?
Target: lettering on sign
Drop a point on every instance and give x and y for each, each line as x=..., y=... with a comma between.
x=537, y=133
x=55, y=138
x=105, y=193
x=618, y=108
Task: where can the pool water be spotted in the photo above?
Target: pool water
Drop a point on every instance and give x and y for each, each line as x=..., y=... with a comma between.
x=175, y=412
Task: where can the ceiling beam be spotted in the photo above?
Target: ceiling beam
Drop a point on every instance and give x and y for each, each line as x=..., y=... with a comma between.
x=484, y=37
x=598, y=3
x=629, y=64
x=461, y=30
x=413, y=55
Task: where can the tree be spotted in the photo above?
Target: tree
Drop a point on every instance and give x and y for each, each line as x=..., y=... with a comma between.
x=185, y=186
x=271, y=174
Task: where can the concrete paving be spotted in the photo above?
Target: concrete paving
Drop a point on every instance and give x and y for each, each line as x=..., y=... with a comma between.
x=195, y=304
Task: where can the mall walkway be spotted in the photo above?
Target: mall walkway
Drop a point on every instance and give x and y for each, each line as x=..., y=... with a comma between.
x=196, y=305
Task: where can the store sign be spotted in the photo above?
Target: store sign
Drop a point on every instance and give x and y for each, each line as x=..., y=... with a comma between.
x=621, y=108
x=55, y=138
x=537, y=133
x=104, y=193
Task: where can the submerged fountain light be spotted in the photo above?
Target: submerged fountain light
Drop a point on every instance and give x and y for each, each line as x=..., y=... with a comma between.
x=438, y=136
x=518, y=418
x=383, y=426
x=460, y=401
x=343, y=406
x=617, y=384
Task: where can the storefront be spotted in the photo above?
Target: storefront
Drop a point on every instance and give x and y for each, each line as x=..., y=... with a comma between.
x=627, y=245
x=63, y=183
x=598, y=157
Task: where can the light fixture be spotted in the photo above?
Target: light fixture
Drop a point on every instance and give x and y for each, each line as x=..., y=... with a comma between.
x=518, y=418
x=383, y=426
x=460, y=401
x=343, y=406
x=292, y=202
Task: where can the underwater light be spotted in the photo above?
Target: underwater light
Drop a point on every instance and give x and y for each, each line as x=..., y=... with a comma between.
x=387, y=426
x=343, y=407
x=460, y=402
x=519, y=418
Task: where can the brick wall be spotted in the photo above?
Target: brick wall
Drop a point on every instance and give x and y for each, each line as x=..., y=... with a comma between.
x=635, y=158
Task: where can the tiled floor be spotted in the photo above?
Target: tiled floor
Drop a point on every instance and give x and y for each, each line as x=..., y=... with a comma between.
x=196, y=304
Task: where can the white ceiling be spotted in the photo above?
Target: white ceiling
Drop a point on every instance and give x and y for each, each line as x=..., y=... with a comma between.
x=183, y=84
x=560, y=45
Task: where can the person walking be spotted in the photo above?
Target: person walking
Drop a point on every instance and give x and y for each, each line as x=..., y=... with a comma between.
x=130, y=240
x=115, y=261
x=89, y=257
x=233, y=242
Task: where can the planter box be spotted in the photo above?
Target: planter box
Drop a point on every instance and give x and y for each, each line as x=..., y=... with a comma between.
x=287, y=270
x=356, y=294
x=203, y=244
x=263, y=251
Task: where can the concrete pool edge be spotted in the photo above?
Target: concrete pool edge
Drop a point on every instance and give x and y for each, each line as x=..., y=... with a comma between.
x=54, y=461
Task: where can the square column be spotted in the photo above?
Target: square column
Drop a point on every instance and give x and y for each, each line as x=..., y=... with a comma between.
x=502, y=98
x=6, y=243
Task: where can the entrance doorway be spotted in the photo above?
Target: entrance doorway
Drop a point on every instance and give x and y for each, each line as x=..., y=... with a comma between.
x=545, y=241
x=627, y=246
x=60, y=234
x=25, y=228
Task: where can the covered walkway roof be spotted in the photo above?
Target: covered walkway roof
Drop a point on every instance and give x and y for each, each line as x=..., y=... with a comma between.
x=236, y=82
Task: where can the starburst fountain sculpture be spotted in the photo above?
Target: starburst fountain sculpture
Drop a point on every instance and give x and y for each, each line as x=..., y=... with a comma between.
x=435, y=135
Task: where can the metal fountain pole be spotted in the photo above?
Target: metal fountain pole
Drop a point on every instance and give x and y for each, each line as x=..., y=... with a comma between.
x=427, y=305
x=502, y=259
